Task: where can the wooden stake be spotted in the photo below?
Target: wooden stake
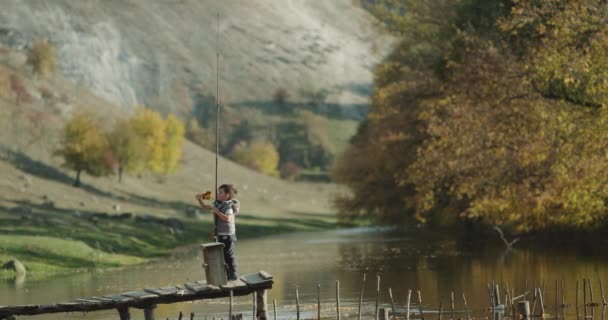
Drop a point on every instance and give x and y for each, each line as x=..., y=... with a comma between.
x=254, y=304
x=390, y=294
x=563, y=299
x=377, y=297
x=297, y=304
x=466, y=308
x=576, y=294
x=191, y=315
x=229, y=308
x=261, y=305
x=149, y=312
x=409, y=297
x=602, y=291
x=440, y=307
x=591, y=293
x=338, y=299
x=420, y=305
x=541, y=301
x=123, y=313
x=318, y=301
x=274, y=307
x=360, y=296
x=453, y=307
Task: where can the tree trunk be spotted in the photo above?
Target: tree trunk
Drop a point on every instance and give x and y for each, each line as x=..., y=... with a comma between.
x=119, y=173
x=77, y=181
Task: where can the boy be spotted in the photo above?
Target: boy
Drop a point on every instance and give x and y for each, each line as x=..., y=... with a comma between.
x=225, y=208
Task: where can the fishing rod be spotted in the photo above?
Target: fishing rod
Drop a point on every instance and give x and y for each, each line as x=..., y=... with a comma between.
x=217, y=113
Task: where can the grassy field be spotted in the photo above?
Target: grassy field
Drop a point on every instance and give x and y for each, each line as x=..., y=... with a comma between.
x=53, y=227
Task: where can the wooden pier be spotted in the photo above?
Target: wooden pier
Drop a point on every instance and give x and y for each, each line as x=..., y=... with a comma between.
x=147, y=299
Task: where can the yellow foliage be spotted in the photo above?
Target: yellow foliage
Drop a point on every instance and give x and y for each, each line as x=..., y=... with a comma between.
x=150, y=126
x=127, y=146
x=260, y=156
x=83, y=146
x=42, y=57
x=175, y=140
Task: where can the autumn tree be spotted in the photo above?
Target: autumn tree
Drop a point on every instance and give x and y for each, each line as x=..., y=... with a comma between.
x=174, y=143
x=260, y=156
x=128, y=148
x=151, y=129
x=42, y=57
x=84, y=147
x=491, y=112
x=197, y=134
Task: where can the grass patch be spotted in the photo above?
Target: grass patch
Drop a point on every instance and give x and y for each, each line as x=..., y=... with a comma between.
x=48, y=246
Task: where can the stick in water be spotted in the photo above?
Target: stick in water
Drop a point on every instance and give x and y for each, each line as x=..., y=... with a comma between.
x=390, y=294
x=409, y=297
x=452, y=297
x=361, y=295
x=420, y=305
x=440, y=307
x=466, y=308
x=338, y=298
x=297, y=304
x=377, y=297
x=274, y=306
x=318, y=301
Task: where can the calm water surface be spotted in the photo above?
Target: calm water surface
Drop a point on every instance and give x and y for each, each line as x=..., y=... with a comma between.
x=435, y=265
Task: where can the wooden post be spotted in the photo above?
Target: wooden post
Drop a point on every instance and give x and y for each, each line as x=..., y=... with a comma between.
x=297, y=304
x=523, y=309
x=591, y=293
x=180, y=316
x=602, y=291
x=338, y=299
x=383, y=314
x=215, y=271
x=149, y=312
x=318, y=301
x=191, y=315
x=496, y=295
x=390, y=294
x=576, y=295
x=420, y=305
x=453, y=306
x=123, y=312
x=563, y=298
x=542, y=303
x=466, y=308
x=377, y=297
x=360, y=297
x=261, y=303
x=440, y=307
x=409, y=298
x=230, y=307
x=274, y=306
x=254, y=302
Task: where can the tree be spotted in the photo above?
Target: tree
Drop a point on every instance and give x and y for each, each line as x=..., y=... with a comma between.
x=174, y=142
x=42, y=57
x=489, y=112
x=260, y=156
x=84, y=147
x=198, y=134
x=128, y=148
x=151, y=128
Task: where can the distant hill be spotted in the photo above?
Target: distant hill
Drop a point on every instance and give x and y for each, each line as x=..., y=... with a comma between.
x=162, y=54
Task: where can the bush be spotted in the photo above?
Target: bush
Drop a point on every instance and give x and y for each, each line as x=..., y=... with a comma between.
x=42, y=57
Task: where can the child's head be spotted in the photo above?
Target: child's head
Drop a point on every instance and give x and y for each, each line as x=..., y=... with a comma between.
x=226, y=192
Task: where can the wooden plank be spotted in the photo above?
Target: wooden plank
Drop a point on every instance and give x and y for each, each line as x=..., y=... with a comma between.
x=167, y=291
x=255, y=280
x=234, y=285
x=265, y=275
x=197, y=287
x=140, y=295
x=118, y=298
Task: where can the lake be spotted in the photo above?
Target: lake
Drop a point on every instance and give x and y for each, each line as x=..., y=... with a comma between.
x=435, y=264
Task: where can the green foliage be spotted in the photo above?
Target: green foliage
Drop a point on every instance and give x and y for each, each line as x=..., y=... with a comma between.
x=84, y=147
x=492, y=112
x=198, y=134
x=42, y=57
x=260, y=156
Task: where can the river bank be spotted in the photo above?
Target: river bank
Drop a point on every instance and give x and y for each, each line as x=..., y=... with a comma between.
x=51, y=244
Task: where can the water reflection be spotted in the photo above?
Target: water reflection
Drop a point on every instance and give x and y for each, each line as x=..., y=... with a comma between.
x=434, y=264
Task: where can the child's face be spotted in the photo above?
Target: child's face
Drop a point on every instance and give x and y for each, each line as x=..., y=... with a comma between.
x=222, y=196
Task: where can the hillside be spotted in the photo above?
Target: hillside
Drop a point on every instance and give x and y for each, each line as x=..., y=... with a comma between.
x=128, y=222
x=163, y=53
